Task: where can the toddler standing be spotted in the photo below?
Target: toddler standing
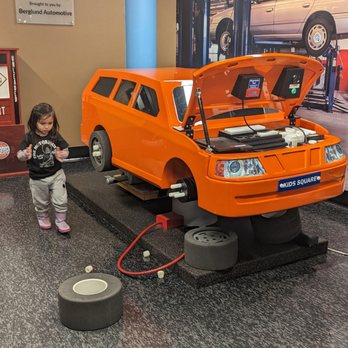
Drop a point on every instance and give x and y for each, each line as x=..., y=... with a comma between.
x=44, y=149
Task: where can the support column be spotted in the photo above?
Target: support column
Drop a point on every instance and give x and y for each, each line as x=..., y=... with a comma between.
x=241, y=34
x=141, y=24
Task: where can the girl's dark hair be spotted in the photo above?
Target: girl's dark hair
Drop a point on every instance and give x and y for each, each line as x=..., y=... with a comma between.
x=37, y=112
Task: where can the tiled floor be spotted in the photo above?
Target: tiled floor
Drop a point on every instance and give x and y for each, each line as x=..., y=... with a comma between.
x=303, y=304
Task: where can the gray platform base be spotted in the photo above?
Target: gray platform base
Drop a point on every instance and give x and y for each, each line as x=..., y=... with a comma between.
x=126, y=215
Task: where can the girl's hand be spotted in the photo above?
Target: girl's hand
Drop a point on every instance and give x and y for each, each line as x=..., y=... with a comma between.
x=29, y=152
x=61, y=154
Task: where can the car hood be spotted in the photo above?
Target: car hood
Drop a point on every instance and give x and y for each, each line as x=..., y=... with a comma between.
x=216, y=82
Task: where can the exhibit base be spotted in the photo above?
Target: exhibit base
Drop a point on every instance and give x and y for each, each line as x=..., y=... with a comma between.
x=126, y=215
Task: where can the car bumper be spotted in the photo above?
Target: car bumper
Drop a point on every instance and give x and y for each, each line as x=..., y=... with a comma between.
x=247, y=198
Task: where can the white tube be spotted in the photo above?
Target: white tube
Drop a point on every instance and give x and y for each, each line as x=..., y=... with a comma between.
x=176, y=186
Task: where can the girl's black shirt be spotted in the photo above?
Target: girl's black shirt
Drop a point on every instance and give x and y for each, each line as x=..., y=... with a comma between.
x=43, y=162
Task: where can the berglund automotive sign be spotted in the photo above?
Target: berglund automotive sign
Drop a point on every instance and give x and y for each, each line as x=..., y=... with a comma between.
x=56, y=12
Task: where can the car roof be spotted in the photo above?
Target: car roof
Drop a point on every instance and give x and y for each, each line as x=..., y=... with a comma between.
x=155, y=74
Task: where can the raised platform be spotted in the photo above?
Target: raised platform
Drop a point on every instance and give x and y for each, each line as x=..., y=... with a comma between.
x=126, y=215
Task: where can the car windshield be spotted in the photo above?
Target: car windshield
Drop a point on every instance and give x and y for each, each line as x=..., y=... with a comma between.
x=182, y=95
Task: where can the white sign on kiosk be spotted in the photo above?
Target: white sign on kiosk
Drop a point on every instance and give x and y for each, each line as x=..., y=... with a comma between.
x=54, y=12
x=4, y=86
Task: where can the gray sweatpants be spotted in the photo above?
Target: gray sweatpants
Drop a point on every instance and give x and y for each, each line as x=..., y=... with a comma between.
x=51, y=189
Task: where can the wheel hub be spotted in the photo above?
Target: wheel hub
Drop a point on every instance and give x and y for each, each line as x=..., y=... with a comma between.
x=212, y=237
x=97, y=151
x=90, y=286
x=225, y=41
x=317, y=37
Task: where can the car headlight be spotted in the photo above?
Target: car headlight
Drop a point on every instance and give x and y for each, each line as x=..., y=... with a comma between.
x=333, y=153
x=239, y=168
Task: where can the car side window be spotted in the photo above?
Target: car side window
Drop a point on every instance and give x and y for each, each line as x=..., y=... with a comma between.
x=125, y=92
x=147, y=101
x=104, y=86
x=182, y=96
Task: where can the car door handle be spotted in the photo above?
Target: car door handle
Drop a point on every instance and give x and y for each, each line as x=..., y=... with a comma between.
x=306, y=5
x=269, y=10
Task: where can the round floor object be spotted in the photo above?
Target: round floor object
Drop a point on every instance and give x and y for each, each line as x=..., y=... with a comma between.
x=90, y=301
x=210, y=248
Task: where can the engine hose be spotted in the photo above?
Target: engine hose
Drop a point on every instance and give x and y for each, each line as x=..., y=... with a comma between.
x=123, y=255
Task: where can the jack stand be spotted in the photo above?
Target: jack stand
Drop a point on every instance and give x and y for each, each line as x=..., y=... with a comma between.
x=193, y=215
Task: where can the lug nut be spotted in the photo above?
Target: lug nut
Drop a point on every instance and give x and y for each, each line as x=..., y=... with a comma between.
x=160, y=274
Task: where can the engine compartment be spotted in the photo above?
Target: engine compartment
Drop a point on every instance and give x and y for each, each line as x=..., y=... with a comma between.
x=260, y=138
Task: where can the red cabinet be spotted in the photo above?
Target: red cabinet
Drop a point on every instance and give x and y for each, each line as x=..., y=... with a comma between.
x=11, y=129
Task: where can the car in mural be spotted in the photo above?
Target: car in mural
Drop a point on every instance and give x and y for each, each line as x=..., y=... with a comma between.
x=226, y=135
x=314, y=23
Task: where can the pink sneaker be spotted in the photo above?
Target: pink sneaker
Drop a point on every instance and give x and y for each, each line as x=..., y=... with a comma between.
x=44, y=221
x=61, y=224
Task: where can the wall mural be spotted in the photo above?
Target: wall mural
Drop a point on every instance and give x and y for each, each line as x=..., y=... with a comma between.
x=311, y=27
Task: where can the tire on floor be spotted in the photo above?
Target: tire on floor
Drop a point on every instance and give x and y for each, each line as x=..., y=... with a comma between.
x=90, y=301
x=210, y=248
x=277, y=228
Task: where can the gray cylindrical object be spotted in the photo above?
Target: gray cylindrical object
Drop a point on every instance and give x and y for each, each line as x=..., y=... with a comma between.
x=210, y=248
x=90, y=301
x=277, y=229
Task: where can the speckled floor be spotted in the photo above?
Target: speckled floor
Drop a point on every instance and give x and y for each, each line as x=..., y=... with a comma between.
x=302, y=304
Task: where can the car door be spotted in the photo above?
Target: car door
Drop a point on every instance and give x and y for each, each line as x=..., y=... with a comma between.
x=136, y=132
x=262, y=18
x=289, y=17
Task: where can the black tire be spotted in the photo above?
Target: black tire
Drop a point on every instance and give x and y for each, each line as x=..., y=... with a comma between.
x=277, y=229
x=317, y=36
x=100, y=140
x=224, y=36
x=210, y=248
x=90, y=301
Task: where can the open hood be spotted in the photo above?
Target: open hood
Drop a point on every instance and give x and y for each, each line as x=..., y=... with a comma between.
x=222, y=89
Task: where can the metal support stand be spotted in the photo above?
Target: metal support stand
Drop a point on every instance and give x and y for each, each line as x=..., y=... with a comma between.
x=324, y=98
x=193, y=34
x=241, y=28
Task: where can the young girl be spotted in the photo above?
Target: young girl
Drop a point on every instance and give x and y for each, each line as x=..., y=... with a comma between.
x=44, y=149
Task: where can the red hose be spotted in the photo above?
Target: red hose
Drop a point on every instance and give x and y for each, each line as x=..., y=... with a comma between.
x=119, y=262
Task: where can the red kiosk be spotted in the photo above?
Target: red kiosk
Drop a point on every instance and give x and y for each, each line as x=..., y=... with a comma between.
x=11, y=129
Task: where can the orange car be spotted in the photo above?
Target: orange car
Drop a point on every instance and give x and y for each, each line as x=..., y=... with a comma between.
x=226, y=135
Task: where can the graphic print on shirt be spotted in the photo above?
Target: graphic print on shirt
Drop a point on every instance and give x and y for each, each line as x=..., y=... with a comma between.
x=44, y=152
